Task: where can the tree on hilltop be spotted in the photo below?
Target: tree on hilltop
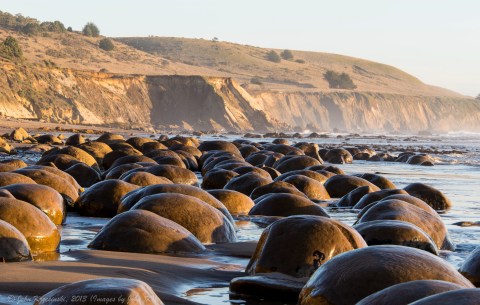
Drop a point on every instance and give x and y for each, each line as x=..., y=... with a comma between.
x=339, y=80
x=106, y=44
x=91, y=30
x=286, y=54
x=10, y=48
x=273, y=56
x=478, y=97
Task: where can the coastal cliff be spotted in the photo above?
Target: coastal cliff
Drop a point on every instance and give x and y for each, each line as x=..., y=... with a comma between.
x=216, y=103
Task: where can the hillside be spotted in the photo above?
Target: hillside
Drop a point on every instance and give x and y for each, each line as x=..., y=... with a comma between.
x=183, y=56
x=180, y=84
x=303, y=72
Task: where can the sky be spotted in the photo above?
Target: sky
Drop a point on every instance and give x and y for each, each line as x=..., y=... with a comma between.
x=437, y=41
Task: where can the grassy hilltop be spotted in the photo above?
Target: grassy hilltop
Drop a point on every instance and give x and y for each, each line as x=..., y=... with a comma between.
x=48, y=42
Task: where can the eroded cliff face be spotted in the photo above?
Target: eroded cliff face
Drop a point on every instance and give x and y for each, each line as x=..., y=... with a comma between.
x=214, y=103
x=364, y=111
x=160, y=102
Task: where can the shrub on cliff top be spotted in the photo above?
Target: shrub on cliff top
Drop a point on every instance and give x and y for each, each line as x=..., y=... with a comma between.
x=339, y=80
x=286, y=54
x=273, y=56
x=91, y=30
x=106, y=44
x=10, y=48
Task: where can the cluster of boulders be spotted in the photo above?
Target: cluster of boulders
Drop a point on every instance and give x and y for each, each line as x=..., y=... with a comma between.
x=152, y=191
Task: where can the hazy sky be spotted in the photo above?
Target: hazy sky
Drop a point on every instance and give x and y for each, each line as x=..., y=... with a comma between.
x=435, y=40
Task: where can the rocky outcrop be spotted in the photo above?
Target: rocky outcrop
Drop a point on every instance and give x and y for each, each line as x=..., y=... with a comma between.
x=216, y=103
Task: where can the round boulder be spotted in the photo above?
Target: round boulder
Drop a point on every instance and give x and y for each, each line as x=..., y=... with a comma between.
x=275, y=187
x=312, y=188
x=311, y=240
x=41, y=233
x=43, y=197
x=84, y=174
x=142, y=231
x=13, y=245
x=395, y=232
x=393, y=209
x=351, y=276
x=281, y=204
x=433, y=197
x=296, y=163
x=145, y=179
x=457, y=297
x=406, y=293
x=103, y=291
x=130, y=199
x=217, y=178
x=236, y=202
x=174, y=173
x=103, y=198
x=340, y=185
x=246, y=183
x=338, y=156
x=7, y=178
x=471, y=267
x=205, y=222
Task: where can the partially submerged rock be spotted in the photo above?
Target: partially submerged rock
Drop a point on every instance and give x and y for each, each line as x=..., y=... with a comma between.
x=145, y=232
x=113, y=291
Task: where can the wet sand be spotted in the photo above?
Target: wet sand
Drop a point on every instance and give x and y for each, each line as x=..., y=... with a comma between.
x=169, y=276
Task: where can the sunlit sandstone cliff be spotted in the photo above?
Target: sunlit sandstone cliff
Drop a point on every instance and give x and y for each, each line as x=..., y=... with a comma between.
x=217, y=103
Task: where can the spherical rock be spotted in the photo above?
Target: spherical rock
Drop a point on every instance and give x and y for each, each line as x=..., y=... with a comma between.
x=471, y=267
x=296, y=163
x=281, y=204
x=311, y=240
x=406, y=293
x=43, y=197
x=145, y=179
x=457, y=297
x=75, y=140
x=312, y=188
x=84, y=174
x=395, y=232
x=246, y=183
x=142, y=231
x=13, y=245
x=11, y=164
x=44, y=177
x=393, y=209
x=217, y=178
x=375, y=196
x=219, y=145
x=433, y=197
x=204, y=221
x=174, y=173
x=116, y=172
x=304, y=172
x=275, y=187
x=236, y=202
x=378, y=180
x=109, y=138
x=103, y=198
x=7, y=178
x=130, y=199
x=338, y=156
x=114, y=291
x=41, y=233
x=340, y=185
x=351, y=276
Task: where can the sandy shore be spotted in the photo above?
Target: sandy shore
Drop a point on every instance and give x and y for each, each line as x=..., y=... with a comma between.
x=169, y=276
